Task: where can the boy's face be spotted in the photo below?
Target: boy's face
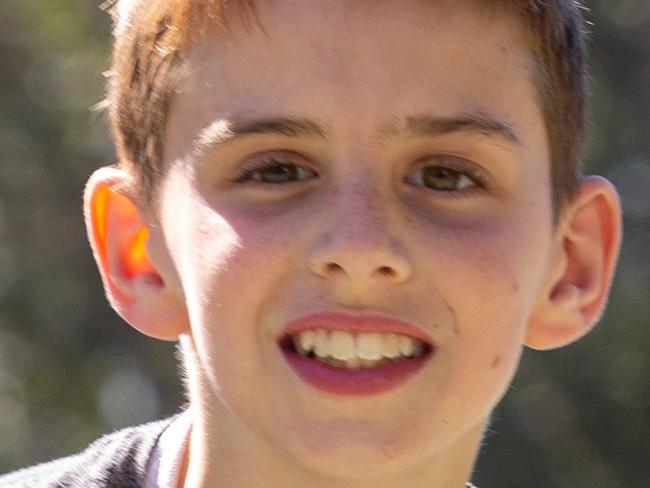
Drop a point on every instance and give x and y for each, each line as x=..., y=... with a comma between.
x=364, y=219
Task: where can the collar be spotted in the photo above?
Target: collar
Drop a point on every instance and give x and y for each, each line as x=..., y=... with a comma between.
x=167, y=457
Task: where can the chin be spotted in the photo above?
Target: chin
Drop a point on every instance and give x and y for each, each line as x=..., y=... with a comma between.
x=363, y=456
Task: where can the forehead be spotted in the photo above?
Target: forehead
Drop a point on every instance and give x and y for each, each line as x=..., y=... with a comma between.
x=357, y=65
x=339, y=38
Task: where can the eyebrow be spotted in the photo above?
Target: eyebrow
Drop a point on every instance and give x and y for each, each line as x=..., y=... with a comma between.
x=224, y=130
x=474, y=123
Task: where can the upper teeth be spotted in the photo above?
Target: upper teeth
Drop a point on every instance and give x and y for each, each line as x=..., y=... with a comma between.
x=344, y=346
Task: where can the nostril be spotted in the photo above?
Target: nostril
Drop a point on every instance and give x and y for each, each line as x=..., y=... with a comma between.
x=386, y=271
x=333, y=267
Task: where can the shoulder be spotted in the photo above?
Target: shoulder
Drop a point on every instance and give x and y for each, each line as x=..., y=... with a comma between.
x=118, y=459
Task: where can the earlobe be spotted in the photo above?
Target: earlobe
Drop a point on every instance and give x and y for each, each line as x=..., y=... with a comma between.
x=120, y=239
x=581, y=270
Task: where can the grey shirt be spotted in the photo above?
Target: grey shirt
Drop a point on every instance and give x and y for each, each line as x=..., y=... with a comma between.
x=117, y=460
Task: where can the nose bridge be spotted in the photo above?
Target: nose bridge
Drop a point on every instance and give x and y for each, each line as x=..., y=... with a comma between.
x=360, y=213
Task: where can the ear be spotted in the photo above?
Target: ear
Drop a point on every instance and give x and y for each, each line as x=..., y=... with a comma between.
x=581, y=267
x=142, y=292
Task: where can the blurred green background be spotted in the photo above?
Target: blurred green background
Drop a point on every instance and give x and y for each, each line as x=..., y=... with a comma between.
x=70, y=370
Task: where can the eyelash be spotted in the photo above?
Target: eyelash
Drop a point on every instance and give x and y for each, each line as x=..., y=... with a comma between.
x=454, y=165
x=248, y=175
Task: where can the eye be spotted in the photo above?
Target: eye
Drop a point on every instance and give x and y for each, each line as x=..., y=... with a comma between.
x=274, y=171
x=444, y=178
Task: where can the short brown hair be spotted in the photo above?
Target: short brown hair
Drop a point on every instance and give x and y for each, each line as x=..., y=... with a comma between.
x=152, y=36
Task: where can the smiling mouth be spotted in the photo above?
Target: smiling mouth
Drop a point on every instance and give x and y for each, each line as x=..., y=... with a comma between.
x=359, y=355
x=361, y=350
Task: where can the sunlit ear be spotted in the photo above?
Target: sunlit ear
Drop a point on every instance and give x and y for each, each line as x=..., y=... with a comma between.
x=138, y=289
x=581, y=269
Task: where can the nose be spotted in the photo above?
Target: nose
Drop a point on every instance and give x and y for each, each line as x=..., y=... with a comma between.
x=359, y=248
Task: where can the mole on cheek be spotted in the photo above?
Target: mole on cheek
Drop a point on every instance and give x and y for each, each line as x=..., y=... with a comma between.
x=496, y=361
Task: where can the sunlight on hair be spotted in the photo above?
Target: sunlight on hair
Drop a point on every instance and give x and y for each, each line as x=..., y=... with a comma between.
x=217, y=131
x=123, y=10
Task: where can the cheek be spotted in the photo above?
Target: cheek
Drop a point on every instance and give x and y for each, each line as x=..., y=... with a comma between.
x=266, y=250
x=231, y=262
x=489, y=275
x=502, y=257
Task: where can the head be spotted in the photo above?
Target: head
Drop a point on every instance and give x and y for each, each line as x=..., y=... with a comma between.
x=414, y=161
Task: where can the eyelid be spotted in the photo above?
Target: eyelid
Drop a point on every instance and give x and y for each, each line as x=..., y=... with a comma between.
x=269, y=159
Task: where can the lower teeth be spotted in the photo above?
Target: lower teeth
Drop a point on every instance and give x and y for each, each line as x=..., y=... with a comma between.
x=355, y=363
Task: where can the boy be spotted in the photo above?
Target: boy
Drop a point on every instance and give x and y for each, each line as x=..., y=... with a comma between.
x=352, y=215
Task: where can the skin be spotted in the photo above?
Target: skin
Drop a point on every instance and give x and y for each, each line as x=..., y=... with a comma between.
x=480, y=268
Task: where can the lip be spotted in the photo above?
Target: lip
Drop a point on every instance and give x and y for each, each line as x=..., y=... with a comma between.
x=357, y=382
